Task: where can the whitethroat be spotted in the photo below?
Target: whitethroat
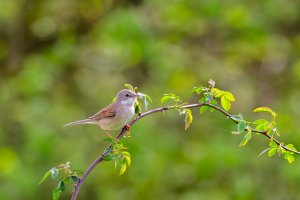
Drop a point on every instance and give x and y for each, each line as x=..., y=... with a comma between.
x=114, y=116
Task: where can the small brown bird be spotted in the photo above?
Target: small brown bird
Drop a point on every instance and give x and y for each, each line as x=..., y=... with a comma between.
x=114, y=116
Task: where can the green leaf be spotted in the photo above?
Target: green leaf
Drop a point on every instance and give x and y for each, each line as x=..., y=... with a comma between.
x=225, y=103
x=78, y=173
x=116, y=155
x=217, y=93
x=61, y=186
x=197, y=90
x=202, y=100
x=119, y=145
x=265, y=109
x=170, y=96
x=165, y=99
x=241, y=126
x=56, y=193
x=272, y=151
x=137, y=109
x=46, y=175
x=123, y=168
x=260, y=121
x=226, y=98
x=244, y=142
x=246, y=139
x=262, y=127
x=273, y=144
x=213, y=102
x=203, y=109
x=66, y=179
x=107, y=158
x=75, y=179
x=148, y=98
x=280, y=150
x=128, y=160
x=229, y=96
x=225, y=94
x=188, y=118
x=291, y=146
x=54, y=173
x=262, y=124
x=238, y=117
x=207, y=97
x=289, y=157
x=126, y=153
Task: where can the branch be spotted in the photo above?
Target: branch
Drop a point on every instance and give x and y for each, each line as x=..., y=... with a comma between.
x=162, y=109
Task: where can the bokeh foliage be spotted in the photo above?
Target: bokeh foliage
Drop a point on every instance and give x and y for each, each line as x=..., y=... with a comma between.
x=61, y=60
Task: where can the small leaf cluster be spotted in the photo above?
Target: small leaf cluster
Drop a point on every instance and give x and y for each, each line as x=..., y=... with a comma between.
x=269, y=127
x=274, y=148
x=64, y=175
x=119, y=153
x=210, y=94
x=207, y=97
x=265, y=127
x=263, y=124
x=225, y=96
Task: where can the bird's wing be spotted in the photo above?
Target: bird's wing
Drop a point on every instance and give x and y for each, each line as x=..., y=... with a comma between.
x=107, y=112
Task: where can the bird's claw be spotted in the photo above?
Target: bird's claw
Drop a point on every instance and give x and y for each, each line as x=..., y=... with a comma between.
x=127, y=127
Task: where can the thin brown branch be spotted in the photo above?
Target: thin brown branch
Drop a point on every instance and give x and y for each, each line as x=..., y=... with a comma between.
x=162, y=109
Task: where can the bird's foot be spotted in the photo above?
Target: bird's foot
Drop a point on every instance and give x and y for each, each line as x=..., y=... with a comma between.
x=127, y=127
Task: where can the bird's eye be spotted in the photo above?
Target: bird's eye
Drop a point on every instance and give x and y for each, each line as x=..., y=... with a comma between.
x=126, y=95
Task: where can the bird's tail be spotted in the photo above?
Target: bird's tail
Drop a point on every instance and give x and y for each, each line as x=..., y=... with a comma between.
x=84, y=121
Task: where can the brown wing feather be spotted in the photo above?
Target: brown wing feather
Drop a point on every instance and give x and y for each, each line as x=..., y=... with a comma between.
x=107, y=112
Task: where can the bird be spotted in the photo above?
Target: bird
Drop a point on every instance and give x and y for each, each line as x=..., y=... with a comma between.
x=114, y=116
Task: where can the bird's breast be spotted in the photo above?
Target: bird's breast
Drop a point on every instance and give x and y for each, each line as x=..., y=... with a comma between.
x=123, y=114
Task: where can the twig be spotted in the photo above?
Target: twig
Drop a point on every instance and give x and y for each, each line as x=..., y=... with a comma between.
x=161, y=109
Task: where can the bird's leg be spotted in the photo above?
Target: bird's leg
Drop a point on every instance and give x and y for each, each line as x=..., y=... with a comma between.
x=127, y=127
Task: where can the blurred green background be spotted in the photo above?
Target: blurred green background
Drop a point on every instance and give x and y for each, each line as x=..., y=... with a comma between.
x=62, y=60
